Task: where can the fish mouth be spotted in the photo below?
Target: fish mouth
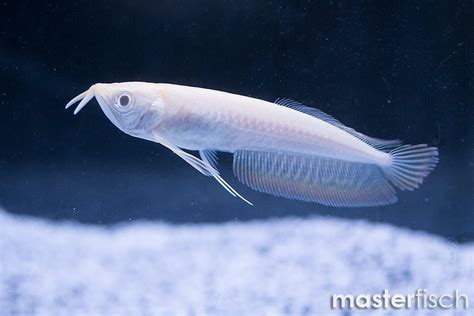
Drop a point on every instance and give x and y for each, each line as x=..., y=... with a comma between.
x=100, y=92
x=84, y=97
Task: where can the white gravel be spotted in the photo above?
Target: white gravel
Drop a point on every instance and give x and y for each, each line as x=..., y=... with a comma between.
x=273, y=267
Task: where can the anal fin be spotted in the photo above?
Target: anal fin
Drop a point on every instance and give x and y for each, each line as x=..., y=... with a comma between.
x=311, y=178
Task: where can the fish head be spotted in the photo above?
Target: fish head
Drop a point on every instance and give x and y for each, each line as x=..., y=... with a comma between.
x=133, y=107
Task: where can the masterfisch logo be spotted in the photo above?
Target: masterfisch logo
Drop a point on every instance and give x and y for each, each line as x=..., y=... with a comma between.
x=421, y=299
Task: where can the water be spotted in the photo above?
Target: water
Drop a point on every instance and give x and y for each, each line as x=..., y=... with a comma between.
x=401, y=70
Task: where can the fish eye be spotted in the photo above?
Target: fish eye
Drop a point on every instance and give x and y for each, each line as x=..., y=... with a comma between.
x=123, y=101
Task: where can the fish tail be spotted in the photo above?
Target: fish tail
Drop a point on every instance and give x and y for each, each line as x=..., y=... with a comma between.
x=408, y=165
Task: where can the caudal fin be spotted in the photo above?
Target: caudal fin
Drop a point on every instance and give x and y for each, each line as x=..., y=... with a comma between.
x=410, y=164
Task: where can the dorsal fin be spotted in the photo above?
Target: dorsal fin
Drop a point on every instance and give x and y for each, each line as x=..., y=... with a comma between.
x=381, y=144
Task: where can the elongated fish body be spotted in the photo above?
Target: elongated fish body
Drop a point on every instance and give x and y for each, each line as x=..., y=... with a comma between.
x=228, y=122
x=283, y=148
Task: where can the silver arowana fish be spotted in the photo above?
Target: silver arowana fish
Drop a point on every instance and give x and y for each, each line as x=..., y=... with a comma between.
x=283, y=148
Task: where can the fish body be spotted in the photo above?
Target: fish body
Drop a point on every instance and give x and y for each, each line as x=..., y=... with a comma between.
x=209, y=119
x=282, y=148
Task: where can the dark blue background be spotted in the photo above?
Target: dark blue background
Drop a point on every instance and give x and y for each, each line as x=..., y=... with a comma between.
x=390, y=69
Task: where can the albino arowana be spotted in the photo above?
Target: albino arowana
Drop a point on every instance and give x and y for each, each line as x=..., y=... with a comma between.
x=282, y=148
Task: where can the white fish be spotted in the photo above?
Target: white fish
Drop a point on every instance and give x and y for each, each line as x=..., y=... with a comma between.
x=282, y=148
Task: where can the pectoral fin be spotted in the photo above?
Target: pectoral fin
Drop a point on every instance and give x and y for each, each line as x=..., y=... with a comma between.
x=206, y=166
